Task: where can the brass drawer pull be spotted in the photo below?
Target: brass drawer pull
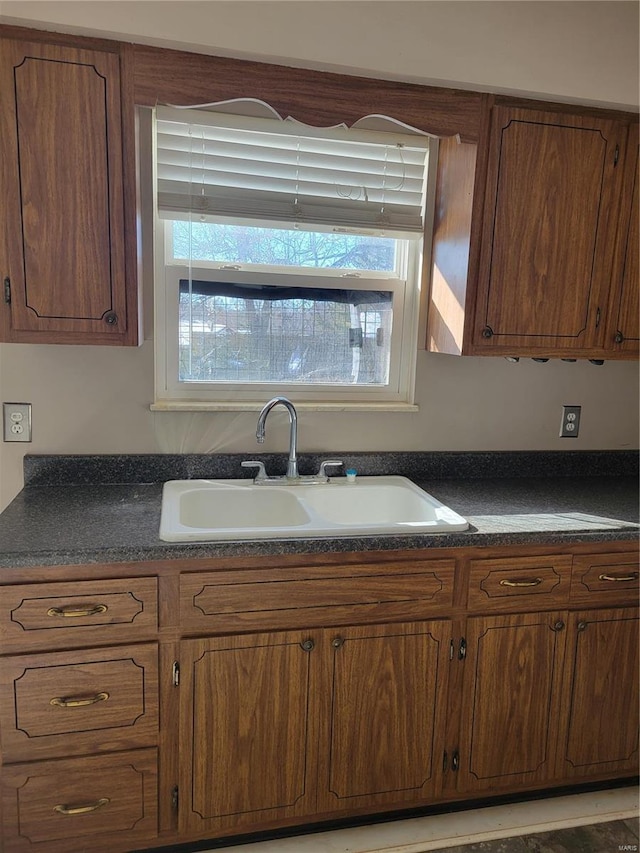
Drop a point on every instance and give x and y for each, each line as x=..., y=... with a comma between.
x=632, y=577
x=71, y=612
x=532, y=582
x=83, y=809
x=63, y=702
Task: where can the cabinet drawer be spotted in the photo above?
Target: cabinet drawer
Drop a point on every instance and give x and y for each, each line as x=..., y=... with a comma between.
x=86, y=613
x=605, y=579
x=105, y=802
x=304, y=597
x=69, y=703
x=521, y=583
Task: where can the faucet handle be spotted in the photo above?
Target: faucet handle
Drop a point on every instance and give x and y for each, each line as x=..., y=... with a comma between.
x=328, y=463
x=253, y=463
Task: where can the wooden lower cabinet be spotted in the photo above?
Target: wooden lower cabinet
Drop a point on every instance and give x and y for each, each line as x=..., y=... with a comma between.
x=307, y=689
x=384, y=700
x=511, y=700
x=283, y=725
x=248, y=730
x=599, y=723
x=102, y=802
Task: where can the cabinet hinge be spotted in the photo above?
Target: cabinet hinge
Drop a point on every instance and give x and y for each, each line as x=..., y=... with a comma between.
x=7, y=290
x=175, y=675
x=175, y=798
x=616, y=155
x=452, y=649
x=462, y=649
x=597, y=317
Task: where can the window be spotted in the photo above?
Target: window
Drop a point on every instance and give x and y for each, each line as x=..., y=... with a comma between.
x=287, y=260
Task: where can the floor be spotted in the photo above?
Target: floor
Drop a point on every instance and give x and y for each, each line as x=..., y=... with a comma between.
x=593, y=838
x=595, y=822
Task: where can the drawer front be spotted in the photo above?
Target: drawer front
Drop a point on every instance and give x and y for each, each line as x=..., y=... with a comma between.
x=519, y=583
x=72, y=805
x=46, y=615
x=72, y=703
x=605, y=579
x=303, y=597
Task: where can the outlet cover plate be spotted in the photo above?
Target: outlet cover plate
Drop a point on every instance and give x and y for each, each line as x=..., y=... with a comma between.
x=570, y=425
x=16, y=421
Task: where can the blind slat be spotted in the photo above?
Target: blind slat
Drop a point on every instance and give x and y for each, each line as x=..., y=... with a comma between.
x=264, y=169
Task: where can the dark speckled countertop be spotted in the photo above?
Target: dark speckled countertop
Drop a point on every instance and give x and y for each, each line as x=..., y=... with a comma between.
x=102, y=509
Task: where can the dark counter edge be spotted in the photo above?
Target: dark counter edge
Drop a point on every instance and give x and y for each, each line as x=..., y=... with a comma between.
x=281, y=547
x=46, y=470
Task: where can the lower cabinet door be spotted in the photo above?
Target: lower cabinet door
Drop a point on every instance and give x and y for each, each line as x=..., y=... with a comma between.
x=384, y=707
x=599, y=733
x=511, y=700
x=248, y=731
x=100, y=803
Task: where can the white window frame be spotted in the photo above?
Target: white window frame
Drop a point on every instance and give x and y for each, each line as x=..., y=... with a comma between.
x=174, y=394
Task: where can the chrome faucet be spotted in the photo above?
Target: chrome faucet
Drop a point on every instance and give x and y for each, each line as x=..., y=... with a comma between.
x=292, y=476
x=292, y=462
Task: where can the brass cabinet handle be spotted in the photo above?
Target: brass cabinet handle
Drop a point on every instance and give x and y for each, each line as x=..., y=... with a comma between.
x=74, y=613
x=64, y=702
x=616, y=578
x=532, y=582
x=85, y=808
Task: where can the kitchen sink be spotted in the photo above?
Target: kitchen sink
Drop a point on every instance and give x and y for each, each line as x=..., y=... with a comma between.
x=208, y=510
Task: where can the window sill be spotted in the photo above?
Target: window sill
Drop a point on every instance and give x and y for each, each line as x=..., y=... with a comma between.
x=316, y=406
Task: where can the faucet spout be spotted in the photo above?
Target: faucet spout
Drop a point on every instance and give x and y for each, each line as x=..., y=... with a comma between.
x=292, y=463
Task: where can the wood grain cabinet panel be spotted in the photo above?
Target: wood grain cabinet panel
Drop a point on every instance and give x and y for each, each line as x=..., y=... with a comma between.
x=605, y=579
x=535, y=244
x=624, y=330
x=511, y=701
x=551, y=212
x=303, y=597
x=102, y=803
x=384, y=698
x=599, y=734
x=519, y=583
x=70, y=703
x=63, y=615
x=248, y=730
x=63, y=194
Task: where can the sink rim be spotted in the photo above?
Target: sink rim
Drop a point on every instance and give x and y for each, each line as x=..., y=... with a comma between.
x=318, y=527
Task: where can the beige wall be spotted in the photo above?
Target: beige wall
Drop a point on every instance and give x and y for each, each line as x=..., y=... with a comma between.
x=582, y=51
x=96, y=399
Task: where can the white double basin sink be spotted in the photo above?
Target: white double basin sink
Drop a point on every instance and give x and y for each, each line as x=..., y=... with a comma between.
x=209, y=510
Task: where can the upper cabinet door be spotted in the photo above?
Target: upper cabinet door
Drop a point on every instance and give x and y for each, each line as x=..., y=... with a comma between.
x=624, y=331
x=61, y=149
x=548, y=236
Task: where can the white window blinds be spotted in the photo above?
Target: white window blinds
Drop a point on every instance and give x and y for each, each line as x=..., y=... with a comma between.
x=234, y=167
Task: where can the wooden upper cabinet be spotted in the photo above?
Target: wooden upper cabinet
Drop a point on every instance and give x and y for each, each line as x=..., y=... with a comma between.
x=64, y=260
x=549, y=227
x=624, y=328
x=535, y=238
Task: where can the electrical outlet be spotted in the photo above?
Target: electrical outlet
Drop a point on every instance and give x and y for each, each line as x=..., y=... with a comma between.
x=570, y=425
x=16, y=421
